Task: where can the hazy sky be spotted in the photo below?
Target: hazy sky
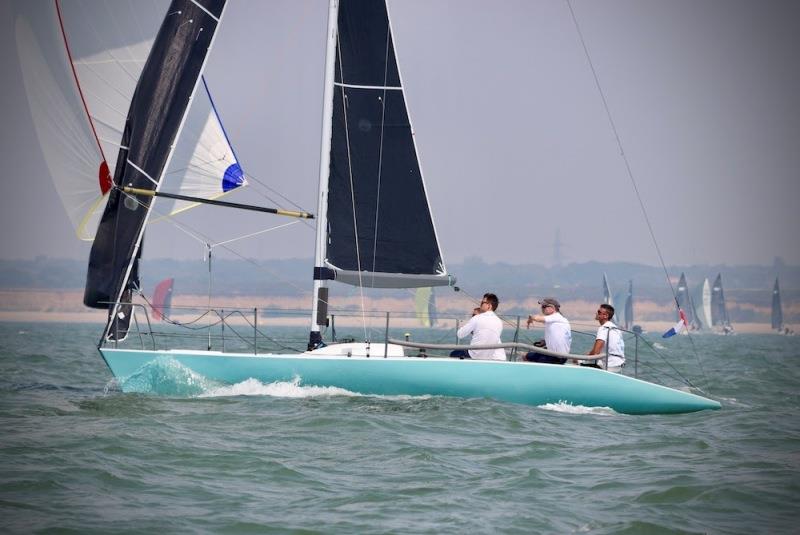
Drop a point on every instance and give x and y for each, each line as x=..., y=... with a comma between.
x=513, y=137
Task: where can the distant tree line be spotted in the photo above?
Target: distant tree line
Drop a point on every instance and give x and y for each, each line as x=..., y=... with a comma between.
x=744, y=285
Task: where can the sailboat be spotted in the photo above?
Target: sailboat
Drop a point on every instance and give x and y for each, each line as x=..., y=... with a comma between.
x=719, y=310
x=702, y=296
x=425, y=306
x=687, y=303
x=608, y=298
x=776, y=316
x=370, y=180
x=629, y=322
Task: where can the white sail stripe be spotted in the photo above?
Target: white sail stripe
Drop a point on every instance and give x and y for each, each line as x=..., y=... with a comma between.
x=155, y=183
x=380, y=87
x=101, y=62
x=204, y=9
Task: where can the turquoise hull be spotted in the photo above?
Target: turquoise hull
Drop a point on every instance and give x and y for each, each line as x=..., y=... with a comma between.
x=527, y=383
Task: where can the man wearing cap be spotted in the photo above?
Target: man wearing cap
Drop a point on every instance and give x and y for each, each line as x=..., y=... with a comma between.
x=557, y=332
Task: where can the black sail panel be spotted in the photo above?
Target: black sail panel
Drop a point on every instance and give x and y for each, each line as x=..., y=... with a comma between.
x=365, y=52
x=379, y=220
x=719, y=311
x=684, y=300
x=157, y=109
x=629, y=307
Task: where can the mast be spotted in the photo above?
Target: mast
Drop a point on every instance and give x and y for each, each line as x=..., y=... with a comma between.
x=319, y=306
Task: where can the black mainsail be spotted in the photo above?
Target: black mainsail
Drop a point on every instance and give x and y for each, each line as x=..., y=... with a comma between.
x=685, y=300
x=719, y=311
x=157, y=112
x=380, y=231
x=374, y=225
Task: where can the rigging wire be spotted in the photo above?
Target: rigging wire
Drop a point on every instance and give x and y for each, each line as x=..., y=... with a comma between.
x=352, y=188
x=380, y=145
x=630, y=174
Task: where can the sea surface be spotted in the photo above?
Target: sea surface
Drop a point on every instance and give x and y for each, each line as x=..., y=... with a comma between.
x=77, y=455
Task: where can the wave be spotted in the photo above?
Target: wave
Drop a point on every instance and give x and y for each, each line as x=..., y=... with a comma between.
x=279, y=389
x=568, y=408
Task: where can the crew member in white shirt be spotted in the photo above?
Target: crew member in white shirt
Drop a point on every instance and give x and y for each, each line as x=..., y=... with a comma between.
x=557, y=332
x=485, y=328
x=608, y=333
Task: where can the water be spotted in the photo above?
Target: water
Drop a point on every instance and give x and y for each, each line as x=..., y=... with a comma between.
x=78, y=455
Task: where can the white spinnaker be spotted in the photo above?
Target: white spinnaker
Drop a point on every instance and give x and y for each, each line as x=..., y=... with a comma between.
x=706, y=297
x=106, y=43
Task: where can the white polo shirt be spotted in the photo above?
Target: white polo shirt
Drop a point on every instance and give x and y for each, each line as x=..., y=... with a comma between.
x=611, y=335
x=557, y=333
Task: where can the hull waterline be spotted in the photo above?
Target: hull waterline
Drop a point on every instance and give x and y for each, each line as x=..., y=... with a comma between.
x=526, y=383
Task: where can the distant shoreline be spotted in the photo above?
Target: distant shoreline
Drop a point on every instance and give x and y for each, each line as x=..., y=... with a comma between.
x=47, y=306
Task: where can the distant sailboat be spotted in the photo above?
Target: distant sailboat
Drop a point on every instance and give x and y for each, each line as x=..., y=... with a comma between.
x=687, y=303
x=777, y=309
x=162, y=298
x=719, y=309
x=684, y=300
x=701, y=298
x=425, y=306
x=628, y=317
x=607, y=295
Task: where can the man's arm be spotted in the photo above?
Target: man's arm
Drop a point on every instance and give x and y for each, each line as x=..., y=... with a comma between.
x=468, y=327
x=538, y=318
x=597, y=348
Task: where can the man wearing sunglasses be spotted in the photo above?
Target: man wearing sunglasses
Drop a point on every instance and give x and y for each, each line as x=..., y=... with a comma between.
x=608, y=333
x=557, y=332
x=485, y=328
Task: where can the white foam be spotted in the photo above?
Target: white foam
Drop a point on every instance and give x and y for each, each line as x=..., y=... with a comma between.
x=278, y=389
x=568, y=408
x=658, y=346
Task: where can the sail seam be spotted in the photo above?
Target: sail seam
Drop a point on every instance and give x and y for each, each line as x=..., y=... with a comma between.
x=148, y=177
x=379, y=87
x=380, y=151
x=195, y=2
